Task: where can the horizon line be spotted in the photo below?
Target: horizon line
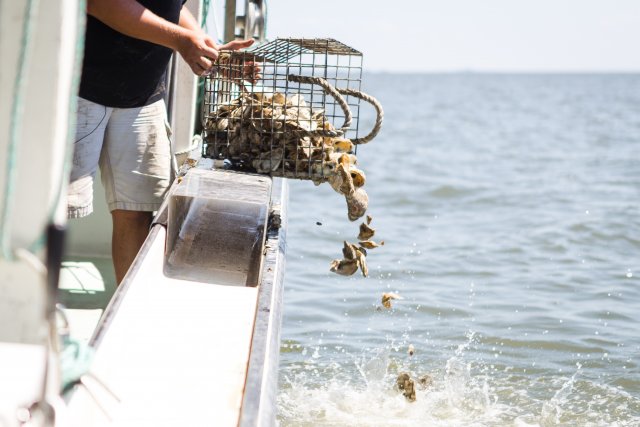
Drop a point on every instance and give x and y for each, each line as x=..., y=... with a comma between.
x=498, y=71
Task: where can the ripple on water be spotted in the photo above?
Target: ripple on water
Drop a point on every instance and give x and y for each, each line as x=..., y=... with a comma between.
x=510, y=209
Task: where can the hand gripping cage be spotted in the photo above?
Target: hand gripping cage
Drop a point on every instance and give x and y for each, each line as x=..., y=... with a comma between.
x=296, y=119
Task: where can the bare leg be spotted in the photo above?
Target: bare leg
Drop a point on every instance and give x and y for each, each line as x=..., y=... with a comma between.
x=130, y=228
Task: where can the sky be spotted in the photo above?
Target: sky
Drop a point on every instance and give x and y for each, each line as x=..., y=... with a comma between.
x=471, y=35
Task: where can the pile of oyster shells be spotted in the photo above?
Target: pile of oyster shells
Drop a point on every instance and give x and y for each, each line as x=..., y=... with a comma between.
x=270, y=133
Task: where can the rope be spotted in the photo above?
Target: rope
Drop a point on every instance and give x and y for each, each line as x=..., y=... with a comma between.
x=348, y=117
x=336, y=93
x=379, y=114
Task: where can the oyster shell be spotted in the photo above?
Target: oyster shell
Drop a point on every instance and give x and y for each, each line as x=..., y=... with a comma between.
x=357, y=204
x=368, y=244
x=405, y=384
x=357, y=176
x=279, y=98
x=344, y=267
x=366, y=232
x=349, y=251
x=362, y=262
x=342, y=145
x=387, y=297
x=341, y=181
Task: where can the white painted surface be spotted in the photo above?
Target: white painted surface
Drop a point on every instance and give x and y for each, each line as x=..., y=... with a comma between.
x=175, y=354
x=186, y=99
x=42, y=149
x=22, y=369
x=22, y=304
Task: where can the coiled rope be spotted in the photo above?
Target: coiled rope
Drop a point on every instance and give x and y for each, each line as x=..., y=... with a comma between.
x=348, y=116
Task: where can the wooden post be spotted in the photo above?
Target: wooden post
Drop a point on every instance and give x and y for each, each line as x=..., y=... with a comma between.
x=230, y=21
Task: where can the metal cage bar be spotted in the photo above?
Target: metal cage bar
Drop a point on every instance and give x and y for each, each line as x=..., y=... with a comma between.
x=286, y=123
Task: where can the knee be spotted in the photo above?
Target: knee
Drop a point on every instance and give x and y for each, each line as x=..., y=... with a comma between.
x=141, y=217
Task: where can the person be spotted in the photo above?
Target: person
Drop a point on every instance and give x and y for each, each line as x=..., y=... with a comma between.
x=121, y=116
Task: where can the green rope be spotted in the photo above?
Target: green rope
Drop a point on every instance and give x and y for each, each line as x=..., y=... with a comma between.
x=17, y=111
x=75, y=361
x=206, y=4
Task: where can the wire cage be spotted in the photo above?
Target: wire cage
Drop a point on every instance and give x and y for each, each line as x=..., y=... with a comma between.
x=287, y=108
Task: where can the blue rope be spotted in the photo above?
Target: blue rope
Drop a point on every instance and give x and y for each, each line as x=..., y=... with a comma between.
x=17, y=111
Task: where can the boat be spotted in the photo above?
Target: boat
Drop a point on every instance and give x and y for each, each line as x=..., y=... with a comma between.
x=191, y=335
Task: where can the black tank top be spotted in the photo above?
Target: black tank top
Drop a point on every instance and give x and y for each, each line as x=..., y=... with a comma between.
x=121, y=71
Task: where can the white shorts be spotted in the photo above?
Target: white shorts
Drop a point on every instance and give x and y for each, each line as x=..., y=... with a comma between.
x=132, y=148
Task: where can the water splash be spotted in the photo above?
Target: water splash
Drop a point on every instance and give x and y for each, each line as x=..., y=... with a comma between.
x=464, y=393
x=552, y=410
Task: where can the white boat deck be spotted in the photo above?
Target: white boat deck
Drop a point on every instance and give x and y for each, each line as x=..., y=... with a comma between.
x=196, y=376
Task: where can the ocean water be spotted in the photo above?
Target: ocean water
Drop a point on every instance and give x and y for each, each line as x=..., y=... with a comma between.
x=510, y=208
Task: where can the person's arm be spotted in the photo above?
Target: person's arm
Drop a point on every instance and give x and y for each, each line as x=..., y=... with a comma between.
x=187, y=20
x=132, y=19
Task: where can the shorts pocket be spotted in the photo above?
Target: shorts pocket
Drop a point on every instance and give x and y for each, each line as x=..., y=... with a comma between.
x=155, y=159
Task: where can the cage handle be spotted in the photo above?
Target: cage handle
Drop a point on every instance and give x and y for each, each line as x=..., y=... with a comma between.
x=348, y=117
x=379, y=114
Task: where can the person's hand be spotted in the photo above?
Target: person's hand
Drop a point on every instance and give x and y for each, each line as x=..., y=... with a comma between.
x=200, y=51
x=239, y=69
x=236, y=45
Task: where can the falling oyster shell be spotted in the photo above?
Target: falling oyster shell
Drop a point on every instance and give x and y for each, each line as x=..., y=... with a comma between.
x=387, y=297
x=362, y=262
x=349, y=251
x=368, y=244
x=357, y=204
x=405, y=384
x=411, y=350
x=366, y=232
x=369, y=219
x=344, y=267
